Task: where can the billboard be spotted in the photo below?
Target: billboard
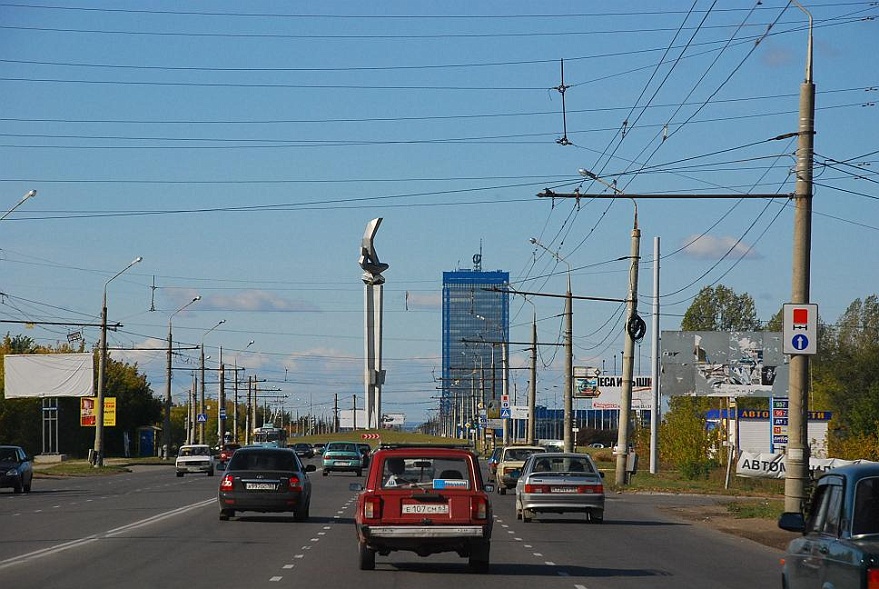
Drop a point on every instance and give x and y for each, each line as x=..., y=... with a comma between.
x=606, y=391
x=88, y=416
x=721, y=363
x=49, y=375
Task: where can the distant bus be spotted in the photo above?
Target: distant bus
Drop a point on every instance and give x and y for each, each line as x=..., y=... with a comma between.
x=269, y=435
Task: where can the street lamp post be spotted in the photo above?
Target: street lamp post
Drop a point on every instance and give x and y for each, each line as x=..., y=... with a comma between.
x=30, y=194
x=166, y=424
x=98, y=455
x=235, y=405
x=201, y=386
x=569, y=353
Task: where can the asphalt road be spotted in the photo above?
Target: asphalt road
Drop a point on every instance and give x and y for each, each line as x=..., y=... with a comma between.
x=152, y=529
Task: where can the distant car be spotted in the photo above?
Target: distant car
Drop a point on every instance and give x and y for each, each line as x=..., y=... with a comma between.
x=492, y=462
x=558, y=482
x=597, y=445
x=839, y=546
x=194, y=458
x=510, y=465
x=265, y=479
x=342, y=457
x=226, y=453
x=16, y=469
x=303, y=450
x=424, y=500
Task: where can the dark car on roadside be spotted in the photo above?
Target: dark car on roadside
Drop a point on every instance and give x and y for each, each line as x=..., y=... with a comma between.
x=839, y=546
x=303, y=450
x=265, y=479
x=426, y=500
x=16, y=469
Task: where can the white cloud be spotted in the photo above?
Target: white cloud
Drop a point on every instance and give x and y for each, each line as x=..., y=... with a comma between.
x=708, y=247
x=253, y=300
x=423, y=300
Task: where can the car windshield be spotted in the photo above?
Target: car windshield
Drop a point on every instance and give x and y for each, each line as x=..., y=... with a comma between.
x=341, y=448
x=8, y=455
x=562, y=466
x=263, y=461
x=196, y=451
x=408, y=472
x=519, y=453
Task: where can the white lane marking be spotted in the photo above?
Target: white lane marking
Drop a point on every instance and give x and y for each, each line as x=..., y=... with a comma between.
x=288, y=566
x=275, y=579
x=108, y=534
x=549, y=563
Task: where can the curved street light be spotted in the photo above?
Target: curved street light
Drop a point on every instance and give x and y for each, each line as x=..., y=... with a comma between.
x=166, y=423
x=98, y=455
x=201, y=405
x=30, y=194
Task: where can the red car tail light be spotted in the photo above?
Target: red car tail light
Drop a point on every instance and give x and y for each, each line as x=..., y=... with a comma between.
x=372, y=508
x=536, y=488
x=479, y=508
x=873, y=578
x=226, y=483
x=591, y=489
x=294, y=484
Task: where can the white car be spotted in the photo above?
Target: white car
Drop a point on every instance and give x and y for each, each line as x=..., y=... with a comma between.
x=194, y=458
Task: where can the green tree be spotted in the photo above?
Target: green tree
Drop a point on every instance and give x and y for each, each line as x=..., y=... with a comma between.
x=721, y=309
x=846, y=376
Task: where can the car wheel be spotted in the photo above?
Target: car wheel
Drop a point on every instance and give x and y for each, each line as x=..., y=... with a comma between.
x=502, y=490
x=527, y=515
x=17, y=488
x=596, y=517
x=301, y=514
x=27, y=487
x=326, y=472
x=359, y=473
x=211, y=472
x=225, y=514
x=179, y=474
x=367, y=557
x=479, y=558
x=518, y=513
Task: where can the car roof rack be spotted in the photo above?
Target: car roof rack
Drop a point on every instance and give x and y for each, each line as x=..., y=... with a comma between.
x=389, y=446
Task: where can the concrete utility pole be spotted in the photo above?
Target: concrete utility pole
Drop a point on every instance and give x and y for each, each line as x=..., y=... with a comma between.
x=797, y=452
x=98, y=455
x=532, y=391
x=166, y=422
x=568, y=423
x=628, y=357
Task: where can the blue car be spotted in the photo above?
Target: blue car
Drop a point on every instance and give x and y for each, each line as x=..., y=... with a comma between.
x=16, y=470
x=342, y=457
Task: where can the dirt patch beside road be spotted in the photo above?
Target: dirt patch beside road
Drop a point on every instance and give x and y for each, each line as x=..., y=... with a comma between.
x=717, y=516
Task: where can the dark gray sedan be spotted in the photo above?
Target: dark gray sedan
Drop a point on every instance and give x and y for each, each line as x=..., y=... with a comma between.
x=840, y=543
x=16, y=470
x=558, y=482
x=265, y=479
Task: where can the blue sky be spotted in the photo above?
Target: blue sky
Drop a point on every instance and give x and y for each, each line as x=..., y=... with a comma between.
x=241, y=150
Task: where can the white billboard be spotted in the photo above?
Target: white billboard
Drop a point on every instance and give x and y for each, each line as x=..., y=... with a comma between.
x=49, y=375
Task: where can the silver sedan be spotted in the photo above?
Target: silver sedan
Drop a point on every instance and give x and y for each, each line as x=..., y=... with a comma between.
x=558, y=482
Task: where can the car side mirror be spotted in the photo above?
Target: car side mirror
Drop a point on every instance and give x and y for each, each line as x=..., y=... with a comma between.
x=310, y=468
x=489, y=487
x=792, y=522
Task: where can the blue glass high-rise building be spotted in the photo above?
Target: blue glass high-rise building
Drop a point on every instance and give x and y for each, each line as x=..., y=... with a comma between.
x=476, y=325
